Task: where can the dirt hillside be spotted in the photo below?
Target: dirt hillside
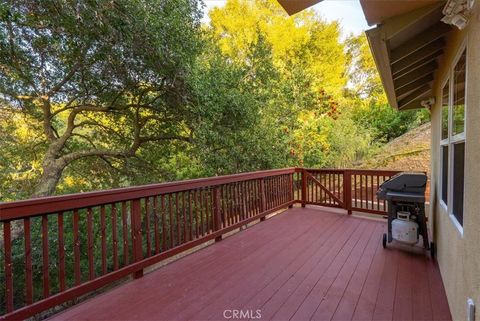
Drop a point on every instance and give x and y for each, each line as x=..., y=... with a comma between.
x=409, y=152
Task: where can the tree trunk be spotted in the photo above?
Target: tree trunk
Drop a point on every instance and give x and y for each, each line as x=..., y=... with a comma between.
x=52, y=172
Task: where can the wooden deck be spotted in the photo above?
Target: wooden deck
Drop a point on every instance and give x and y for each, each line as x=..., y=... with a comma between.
x=302, y=264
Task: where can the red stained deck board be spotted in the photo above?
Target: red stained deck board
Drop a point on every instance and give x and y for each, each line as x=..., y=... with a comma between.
x=245, y=268
x=322, y=285
x=386, y=294
x=240, y=288
x=179, y=280
x=441, y=311
x=403, y=303
x=347, y=302
x=292, y=294
x=282, y=285
x=304, y=263
x=365, y=305
x=332, y=297
x=422, y=305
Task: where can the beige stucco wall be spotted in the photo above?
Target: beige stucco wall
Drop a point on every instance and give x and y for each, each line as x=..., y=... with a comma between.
x=459, y=256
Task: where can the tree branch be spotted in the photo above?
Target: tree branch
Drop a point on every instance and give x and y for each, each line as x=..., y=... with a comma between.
x=65, y=79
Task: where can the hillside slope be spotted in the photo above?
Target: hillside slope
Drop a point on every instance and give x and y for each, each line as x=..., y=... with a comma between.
x=409, y=152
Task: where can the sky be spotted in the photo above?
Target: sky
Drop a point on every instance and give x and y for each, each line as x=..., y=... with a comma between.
x=348, y=12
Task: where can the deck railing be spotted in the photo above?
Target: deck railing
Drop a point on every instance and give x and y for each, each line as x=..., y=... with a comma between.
x=57, y=249
x=353, y=190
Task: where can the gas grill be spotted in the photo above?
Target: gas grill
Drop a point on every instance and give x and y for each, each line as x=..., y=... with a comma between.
x=405, y=194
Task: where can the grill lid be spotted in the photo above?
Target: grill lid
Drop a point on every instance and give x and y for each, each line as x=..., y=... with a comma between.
x=403, y=183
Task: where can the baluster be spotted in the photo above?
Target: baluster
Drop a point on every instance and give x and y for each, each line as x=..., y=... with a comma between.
x=361, y=191
x=384, y=202
x=231, y=219
x=200, y=206
x=355, y=189
x=136, y=229
x=155, y=222
x=177, y=221
x=197, y=218
x=271, y=192
x=262, y=196
x=190, y=210
x=216, y=211
x=103, y=236
x=7, y=245
x=245, y=199
x=45, y=267
x=164, y=232
x=235, y=203
x=347, y=178
x=61, y=253
x=91, y=270
x=223, y=205
x=249, y=199
x=185, y=228
x=276, y=190
x=371, y=191
x=256, y=198
x=125, y=233
x=114, y=236
x=170, y=222
x=376, y=188
x=28, y=261
x=208, y=216
x=292, y=187
x=246, y=189
x=76, y=247
x=147, y=226
x=330, y=200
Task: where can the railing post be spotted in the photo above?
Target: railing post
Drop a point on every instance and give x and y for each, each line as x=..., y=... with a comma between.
x=304, y=187
x=216, y=212
x=262, y=197
x=136, y=225
x=347, y=191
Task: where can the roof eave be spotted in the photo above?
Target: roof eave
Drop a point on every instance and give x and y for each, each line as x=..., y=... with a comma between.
x=381, y=56
x=413, y=56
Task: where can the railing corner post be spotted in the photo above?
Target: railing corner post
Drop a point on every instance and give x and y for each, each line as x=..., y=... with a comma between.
x=347, y=191
x=304, y=187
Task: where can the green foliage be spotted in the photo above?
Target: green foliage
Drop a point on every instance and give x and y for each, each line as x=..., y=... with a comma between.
x=151, y=91
x=388, y=123
x=101, y=79
x=366, y=93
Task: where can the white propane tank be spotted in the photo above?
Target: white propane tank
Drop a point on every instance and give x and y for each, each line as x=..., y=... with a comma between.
x=404, y=230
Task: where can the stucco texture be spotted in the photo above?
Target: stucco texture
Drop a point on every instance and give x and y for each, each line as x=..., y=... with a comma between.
x=459, y=255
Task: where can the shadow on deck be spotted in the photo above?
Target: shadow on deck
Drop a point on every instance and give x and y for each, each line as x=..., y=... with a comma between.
x=306, y=263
